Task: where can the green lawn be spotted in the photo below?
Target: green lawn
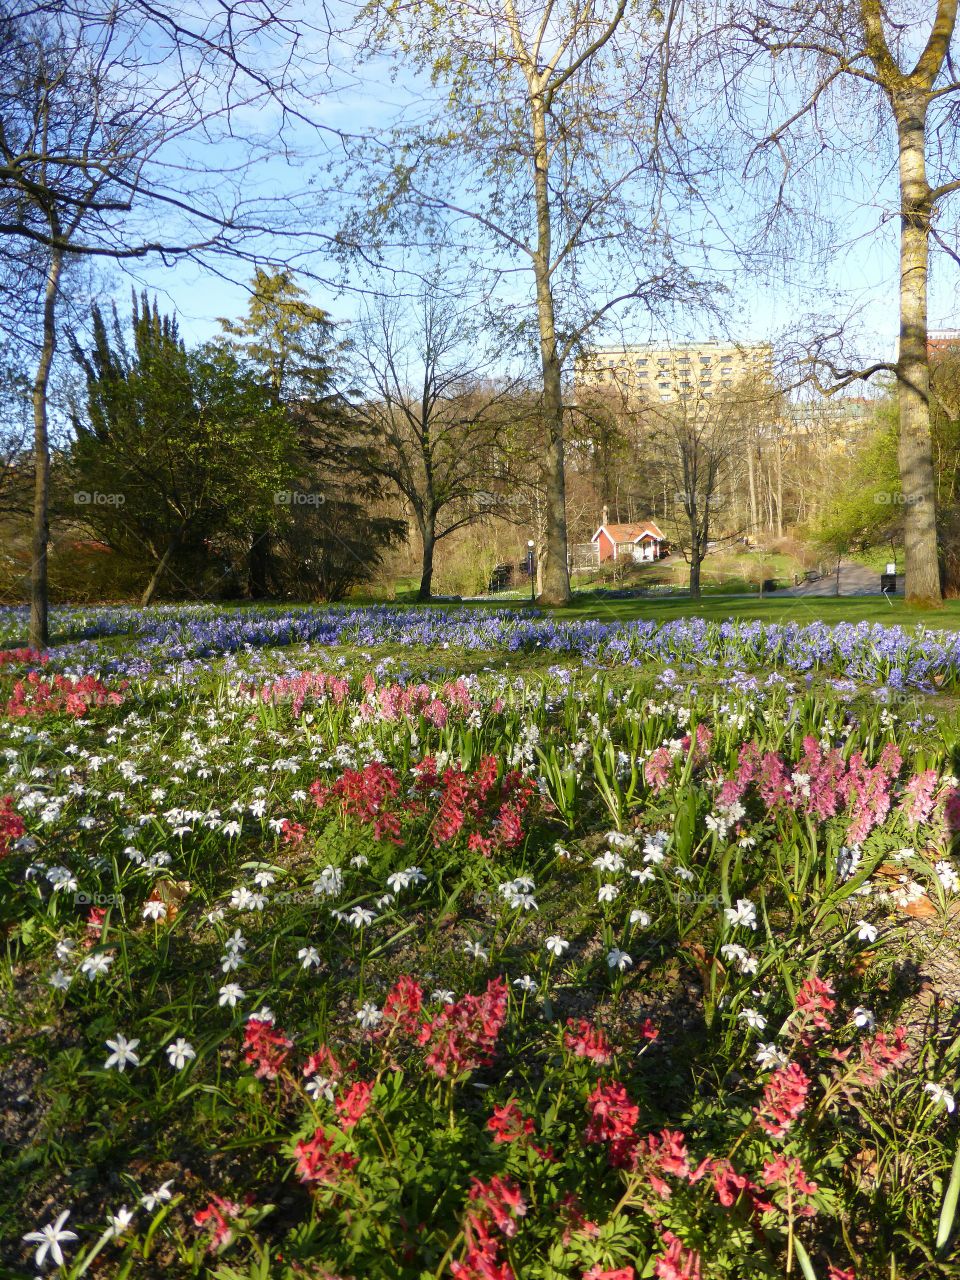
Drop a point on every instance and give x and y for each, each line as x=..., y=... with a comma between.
x=717, y=608
x=809, y=609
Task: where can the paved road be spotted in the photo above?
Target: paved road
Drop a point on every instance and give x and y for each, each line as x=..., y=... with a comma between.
x=855, y=580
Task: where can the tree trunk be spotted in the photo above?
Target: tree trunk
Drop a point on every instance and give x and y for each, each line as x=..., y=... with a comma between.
x=913, y=369
x=752, y=482
x=258, y=565
x=151, y=587
x=555, y=588
x=779, y=495
x=39, y=635
x=694, y=574
x=428, y=536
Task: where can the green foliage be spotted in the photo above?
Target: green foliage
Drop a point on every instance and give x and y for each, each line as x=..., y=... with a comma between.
x=865, y=506
x=174, y=450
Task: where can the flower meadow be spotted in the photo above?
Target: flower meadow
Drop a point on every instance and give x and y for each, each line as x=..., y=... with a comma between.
x=371, y=943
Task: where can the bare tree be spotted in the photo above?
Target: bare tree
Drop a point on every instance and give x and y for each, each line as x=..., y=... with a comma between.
x=844, y=82
x=547, y=154
x=433, y=424
x=104, y=114
x=699, y=445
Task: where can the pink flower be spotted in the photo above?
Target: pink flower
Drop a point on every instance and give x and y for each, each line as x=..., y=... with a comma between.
x=265, y=1047
x=814, y=1002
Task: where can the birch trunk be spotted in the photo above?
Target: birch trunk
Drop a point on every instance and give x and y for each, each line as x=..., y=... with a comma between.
x=554, y=576
x=39, y=595
x=913, y=370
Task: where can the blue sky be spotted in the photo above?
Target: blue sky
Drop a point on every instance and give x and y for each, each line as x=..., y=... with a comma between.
x=860, y=280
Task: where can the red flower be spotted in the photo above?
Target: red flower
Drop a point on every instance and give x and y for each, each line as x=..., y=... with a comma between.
x=353, y=1104
x=784, y=1098
x=498, y=1201
x=618, y=1273
x=814, y=1002
x=11, y=825
x=265, y=1046
x=317, y=1162
x=679, y=1262
x=403, y=1003
x=217, y=1215
x=881, y=1055
x=587, y=1041
x=464, y=1035
x=323, y=1063
x=508, y=1123
x=612, y=1119
x=787, y=1173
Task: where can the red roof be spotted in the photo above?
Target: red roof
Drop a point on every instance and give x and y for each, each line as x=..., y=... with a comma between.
x=628, y=533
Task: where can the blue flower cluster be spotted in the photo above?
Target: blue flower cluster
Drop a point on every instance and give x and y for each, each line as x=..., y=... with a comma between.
x=174, y=636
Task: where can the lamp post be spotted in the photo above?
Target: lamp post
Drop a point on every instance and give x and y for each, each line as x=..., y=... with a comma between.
x=533, y=581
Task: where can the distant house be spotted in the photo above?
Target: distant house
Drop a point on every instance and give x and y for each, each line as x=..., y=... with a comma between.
x=642, y=542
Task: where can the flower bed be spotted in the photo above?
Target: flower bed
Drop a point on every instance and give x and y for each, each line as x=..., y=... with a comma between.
x=329, y=973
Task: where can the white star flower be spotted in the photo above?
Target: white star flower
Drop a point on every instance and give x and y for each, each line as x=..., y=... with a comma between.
x=180, y=1052
x=123, y=1052
x=50, y=1238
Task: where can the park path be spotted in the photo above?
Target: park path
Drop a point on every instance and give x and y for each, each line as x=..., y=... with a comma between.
x=855, y=580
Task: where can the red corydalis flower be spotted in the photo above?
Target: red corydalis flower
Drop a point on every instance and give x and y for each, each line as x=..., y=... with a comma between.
x=94, y=925
x=679, y=1262
x=584, y=1040
x=217, y=1217
x=11, y=824
x=576, y=1223
x=618, y=1273
x=23, y=656
x=499, y=1202
x=318, y=1162
x=508, y=1123
x=881, y=1055
x=612, y=1119
x=293, y=832
x=352, y=1105
x=366, y=795
x=323, y=1063
x=34, y=696
x=786, y=1173
x=265, y=1047
x=464, y=1035
x=814, y=1002
x=402, y=1006
x=784, y=1098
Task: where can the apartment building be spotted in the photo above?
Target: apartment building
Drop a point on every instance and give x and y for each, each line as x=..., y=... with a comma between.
x=673, y=373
